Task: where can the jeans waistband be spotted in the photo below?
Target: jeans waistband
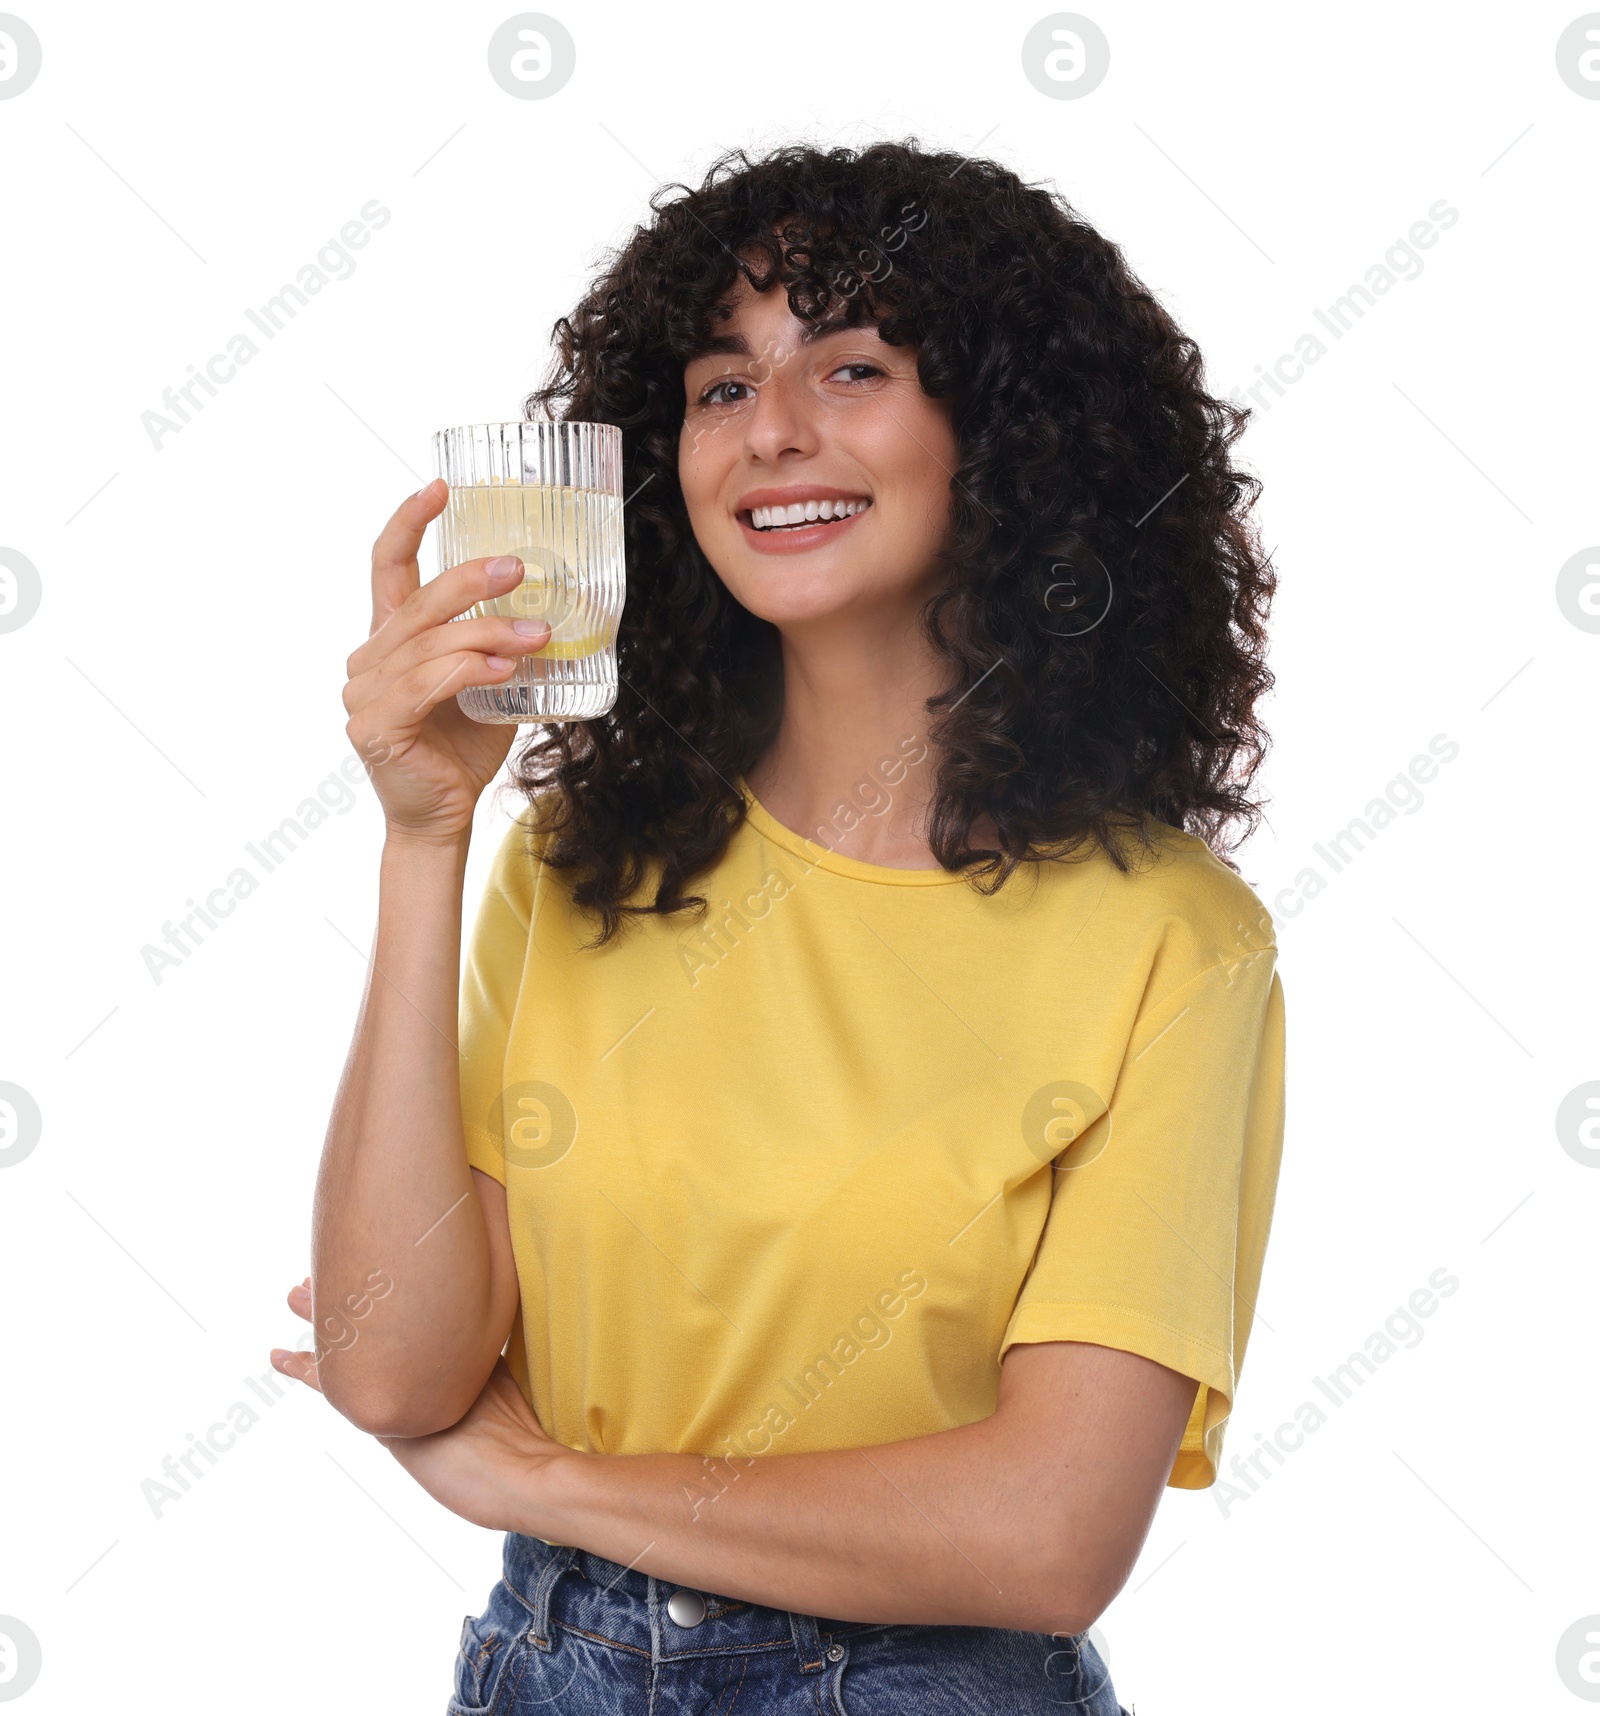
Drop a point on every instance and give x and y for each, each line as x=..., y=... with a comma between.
x=628, y=1609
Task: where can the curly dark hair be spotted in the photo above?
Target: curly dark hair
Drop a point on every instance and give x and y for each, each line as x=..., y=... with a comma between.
x=1103, y=615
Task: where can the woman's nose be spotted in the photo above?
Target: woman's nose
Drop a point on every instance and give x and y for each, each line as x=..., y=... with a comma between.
x=782, y=420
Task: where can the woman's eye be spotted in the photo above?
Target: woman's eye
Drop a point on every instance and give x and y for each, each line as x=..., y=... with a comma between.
x=734, y=390
x=716, y=394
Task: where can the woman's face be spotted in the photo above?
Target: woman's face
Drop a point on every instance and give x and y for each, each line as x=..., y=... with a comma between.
x=836, y=425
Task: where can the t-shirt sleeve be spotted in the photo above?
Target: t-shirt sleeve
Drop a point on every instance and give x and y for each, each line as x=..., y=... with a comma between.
x=491, y=982
x=1160, y=1210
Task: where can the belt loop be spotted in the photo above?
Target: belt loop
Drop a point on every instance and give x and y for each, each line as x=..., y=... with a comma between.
x=540, y=1631
x=807, y=1642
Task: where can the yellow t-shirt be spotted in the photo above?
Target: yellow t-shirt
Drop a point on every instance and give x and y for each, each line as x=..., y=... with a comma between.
x=795, y=1177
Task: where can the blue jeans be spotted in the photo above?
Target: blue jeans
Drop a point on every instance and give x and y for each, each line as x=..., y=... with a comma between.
x=567, y=1633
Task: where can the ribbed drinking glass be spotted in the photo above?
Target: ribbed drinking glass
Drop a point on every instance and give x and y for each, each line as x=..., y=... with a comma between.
x=550, y=493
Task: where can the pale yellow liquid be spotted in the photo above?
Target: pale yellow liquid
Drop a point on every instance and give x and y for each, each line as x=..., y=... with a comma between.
x=570, y=544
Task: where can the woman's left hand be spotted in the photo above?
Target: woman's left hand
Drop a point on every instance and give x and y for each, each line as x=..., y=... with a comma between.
x=493, y=1467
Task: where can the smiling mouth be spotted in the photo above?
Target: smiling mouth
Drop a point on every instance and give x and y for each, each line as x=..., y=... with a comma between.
x=802, y=513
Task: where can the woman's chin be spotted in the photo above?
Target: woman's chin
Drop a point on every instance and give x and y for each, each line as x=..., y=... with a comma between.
x=811, y=615
x=795, y=596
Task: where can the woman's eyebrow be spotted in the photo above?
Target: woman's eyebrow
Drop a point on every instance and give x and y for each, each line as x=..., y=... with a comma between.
x=736, y=345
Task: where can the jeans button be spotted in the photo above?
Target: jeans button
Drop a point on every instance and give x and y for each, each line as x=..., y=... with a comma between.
x=835, y=1652
x=687, y=1608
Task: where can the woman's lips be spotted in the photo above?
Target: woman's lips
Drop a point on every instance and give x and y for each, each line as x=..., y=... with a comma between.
x=796, y=538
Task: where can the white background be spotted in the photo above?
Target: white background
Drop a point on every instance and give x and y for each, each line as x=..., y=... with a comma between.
x=177, y=694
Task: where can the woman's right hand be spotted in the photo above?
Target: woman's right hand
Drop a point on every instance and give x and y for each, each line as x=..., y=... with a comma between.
x=430, y=762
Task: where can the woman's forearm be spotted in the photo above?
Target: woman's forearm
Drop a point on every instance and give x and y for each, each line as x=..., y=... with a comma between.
x=953, y=1528
x=400, y=1256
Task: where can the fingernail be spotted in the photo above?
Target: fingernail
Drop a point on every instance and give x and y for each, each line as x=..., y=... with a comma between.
x=530, y=628
x=503, y=566
x=498, y=663
x=425, y=489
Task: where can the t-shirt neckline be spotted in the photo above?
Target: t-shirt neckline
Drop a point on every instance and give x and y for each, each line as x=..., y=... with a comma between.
x=824, y=857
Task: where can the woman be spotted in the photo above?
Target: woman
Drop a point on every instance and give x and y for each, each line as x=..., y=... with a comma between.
x=866, y=1118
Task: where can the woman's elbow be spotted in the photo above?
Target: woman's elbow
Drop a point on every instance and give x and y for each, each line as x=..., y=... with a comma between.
x=407, y=1412
x=1053, y=1603
x=1068, y=1586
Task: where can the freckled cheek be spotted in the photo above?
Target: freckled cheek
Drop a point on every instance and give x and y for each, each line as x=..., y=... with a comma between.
x=918, y=488
x=928, y=472
x=698, y=484
x=914, y=448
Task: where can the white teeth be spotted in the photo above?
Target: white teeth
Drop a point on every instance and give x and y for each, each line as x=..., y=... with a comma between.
x=807, y=512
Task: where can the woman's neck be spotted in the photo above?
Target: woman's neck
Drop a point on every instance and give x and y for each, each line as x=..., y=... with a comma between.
x=851, y=766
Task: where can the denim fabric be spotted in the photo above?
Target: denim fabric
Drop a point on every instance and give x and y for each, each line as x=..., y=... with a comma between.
x=567, y=1633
